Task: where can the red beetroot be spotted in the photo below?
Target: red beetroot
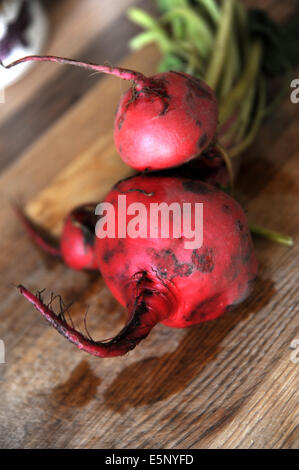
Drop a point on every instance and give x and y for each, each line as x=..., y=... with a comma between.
x=161, y=121
x=77, y=243
x=166, y=124
x=76, y=246
x=159, y=279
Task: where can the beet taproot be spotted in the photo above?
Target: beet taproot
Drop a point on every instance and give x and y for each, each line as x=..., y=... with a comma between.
x=160, y=279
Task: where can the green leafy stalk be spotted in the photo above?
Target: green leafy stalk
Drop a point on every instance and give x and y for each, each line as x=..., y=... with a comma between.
x=216, y=64
x=255, y=124
x=250, y=74
x=270, y=235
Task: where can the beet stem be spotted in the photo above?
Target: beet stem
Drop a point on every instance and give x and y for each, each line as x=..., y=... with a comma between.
x=126, y=74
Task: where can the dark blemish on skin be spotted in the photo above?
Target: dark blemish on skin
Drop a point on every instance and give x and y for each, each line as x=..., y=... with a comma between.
x=203, y=310
x=168, y=266
x=121, y=246
x=198, y=89
x=121, y=121
x=202, y=140
x=163, y=80
x=247, y=291
x=197, y=187
x=239, y=225
x=108, y=255
x=117, y=109
x=165, y=108
x=196, y=86
x=118, y=183
x=234, y=267
x=79, y=389
x=245, y=236
x=164, y=95
x=192, y=107
x=140, y=191
x=132, y=190
x=183, y=270
x=158, y=89
x=198, y=123
x=88, y=236
x=135, y=94
x=204, y=260
x=248, y=255
x=226, y=208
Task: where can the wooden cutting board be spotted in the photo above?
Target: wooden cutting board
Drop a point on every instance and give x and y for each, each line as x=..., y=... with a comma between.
x=229, y=383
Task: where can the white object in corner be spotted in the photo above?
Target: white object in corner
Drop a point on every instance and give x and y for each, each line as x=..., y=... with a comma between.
x=36, y=35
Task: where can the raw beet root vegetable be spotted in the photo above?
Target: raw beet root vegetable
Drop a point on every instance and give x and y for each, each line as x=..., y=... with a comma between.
x=161, y=121
x=76, y=245
x=166, y=124
x=159, y=279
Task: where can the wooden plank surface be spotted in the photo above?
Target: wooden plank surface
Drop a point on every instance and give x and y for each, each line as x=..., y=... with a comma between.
x=229, y=383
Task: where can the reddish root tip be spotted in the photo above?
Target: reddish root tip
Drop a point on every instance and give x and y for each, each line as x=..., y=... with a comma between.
x=40, y=237
x=142, y=320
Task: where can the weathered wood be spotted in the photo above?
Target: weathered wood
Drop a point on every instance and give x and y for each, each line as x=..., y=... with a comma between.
x=229, y=383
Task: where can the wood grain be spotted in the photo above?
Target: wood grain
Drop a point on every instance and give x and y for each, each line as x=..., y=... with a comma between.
x=229, y=383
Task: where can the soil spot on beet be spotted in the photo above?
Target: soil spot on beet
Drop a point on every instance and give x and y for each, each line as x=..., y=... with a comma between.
x=120, y=121
x=108, y=255
x=202, y=140
x=204, y=309
x=168, y=266
x=239, y=226
x=197, y=187
x=226, y=208
x=204, y=260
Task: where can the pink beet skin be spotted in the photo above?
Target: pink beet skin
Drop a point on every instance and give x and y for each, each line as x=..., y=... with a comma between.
x=166, y=124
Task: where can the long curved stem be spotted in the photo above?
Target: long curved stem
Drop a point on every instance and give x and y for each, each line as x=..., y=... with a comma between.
x=149, y=308
x=220, y=46
x=126, y=74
